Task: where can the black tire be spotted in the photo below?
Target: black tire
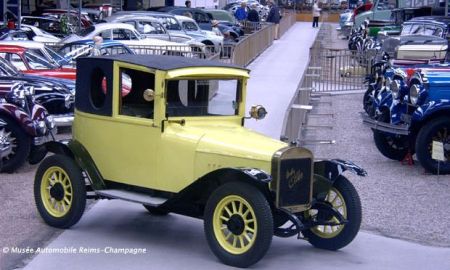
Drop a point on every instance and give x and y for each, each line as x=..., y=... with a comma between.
x=368, y=102
x=156, y=211
x=260, y=240
x=354, y=217
x=77, y=188
x=437, y=129
x=21, y=145
x=392, y=146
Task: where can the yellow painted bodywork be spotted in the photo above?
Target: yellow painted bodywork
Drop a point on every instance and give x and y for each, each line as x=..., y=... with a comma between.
x=136, y=151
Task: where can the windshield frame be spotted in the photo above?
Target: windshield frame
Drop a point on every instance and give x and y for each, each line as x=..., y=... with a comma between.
x=240, y=96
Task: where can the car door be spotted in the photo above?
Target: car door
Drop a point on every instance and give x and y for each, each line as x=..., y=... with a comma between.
x=136, y=136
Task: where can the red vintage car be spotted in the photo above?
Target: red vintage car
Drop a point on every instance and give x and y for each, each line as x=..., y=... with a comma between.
x=36, y=61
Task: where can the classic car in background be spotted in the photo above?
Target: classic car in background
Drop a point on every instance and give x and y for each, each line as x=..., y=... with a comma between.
x=24, y=127
x=200, y=16
x=150, y=27
x=56, y=95
x=31, y=60
x=72, y=51
x=245, y=186
x=28, y=32
x=414, y=121
x=127, y=34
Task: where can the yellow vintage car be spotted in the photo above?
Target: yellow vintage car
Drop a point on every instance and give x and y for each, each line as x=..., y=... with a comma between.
x=168, y=132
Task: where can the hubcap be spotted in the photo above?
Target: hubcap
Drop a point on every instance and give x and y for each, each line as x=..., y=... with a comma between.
x=56, y=191
x=8, y=143
x=235, y=225
x=334, y=198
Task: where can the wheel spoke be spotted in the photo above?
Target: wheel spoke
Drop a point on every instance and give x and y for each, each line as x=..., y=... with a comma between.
x=228, y=211
x=247, y=221
x=241, y=208
x=241, y=240
x=67, y=200
x=233, y=205
x=234, y=241
x=247, y=237
x=224, y=218
x=249, y=229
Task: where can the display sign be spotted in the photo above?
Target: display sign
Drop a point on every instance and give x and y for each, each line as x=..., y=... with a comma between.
x=437, y=151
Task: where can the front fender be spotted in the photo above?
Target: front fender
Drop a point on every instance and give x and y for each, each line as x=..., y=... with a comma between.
x=326, y=172
x=19, y=116
x=427, y=110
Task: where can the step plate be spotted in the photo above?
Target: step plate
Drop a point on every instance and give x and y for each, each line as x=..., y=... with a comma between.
x=131, y=196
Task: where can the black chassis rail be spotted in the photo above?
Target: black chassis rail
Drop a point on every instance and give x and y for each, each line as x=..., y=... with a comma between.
x=385, y=127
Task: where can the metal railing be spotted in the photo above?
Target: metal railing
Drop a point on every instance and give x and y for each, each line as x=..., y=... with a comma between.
x=289, y=19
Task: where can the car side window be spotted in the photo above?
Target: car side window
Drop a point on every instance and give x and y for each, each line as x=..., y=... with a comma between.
x=133, y=98
x=17, y=61
x=106, y=35
x=200, y=17
x=190, y=26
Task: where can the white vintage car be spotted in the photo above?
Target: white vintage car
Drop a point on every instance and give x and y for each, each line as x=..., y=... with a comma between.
x=128, y=35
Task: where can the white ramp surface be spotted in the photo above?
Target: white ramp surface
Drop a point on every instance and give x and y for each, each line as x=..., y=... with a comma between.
x=275, y=75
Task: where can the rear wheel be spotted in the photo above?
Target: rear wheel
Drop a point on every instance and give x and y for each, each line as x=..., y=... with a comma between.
x=60, y=191
x=344, y=199
x=435, y=130
x=17, y=143
x=238, y=224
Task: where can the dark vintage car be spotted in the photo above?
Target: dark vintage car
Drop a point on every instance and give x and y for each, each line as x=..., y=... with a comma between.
x=418, y=115
x=24, y=127
x=189, y=114
x=56, y=95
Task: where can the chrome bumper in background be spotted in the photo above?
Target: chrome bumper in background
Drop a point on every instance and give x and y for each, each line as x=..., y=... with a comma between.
x=64, y=120
x=385, y=127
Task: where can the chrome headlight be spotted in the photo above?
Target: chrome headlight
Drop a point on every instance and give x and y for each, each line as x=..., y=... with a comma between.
x=414, y=93
x=388, y=83
x=50, y=122
x=395, y=88
x=41, y=128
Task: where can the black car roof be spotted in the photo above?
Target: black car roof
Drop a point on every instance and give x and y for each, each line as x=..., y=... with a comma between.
x=167, y=62
x=431, y=19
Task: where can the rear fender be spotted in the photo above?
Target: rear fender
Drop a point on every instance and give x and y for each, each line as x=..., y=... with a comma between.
x=77, y=152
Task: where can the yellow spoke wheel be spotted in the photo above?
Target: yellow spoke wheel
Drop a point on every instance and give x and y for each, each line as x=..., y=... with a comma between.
x=344, y=198
x=335, y=198
x=60, y=191
x=56, y=191
x=238, y=224
x=235, y=225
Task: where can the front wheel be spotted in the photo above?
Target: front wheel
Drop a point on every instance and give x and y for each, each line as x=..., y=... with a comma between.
x=238, y=224
x=18, y=145
x=60, y=191
x=435, y=130
x=392, y=146
x=342, y=197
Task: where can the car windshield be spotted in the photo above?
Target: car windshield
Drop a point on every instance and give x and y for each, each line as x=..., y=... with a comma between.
x=59, y=60
x=6, y=69
x=170, y=23
x=203, y=97
x=87, y=31
x=36, y=60
x=190, y=26
x=222, y=16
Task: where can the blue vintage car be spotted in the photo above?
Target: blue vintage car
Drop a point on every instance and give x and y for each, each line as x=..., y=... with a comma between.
x=415, y=119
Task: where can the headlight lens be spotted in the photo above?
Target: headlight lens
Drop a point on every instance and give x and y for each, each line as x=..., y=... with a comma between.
x=388, y=83
x=395, y=88
x=50, y=122
x=414, y=93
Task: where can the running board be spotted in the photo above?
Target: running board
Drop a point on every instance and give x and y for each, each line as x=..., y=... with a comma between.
x=312, y=141
x=131, y=196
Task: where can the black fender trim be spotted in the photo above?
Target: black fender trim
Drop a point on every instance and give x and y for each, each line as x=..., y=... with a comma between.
x=76, y=151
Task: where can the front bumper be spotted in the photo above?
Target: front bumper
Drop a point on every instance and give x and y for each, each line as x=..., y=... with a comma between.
x=63, y=120
x=43, y=139
x=401, y=129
